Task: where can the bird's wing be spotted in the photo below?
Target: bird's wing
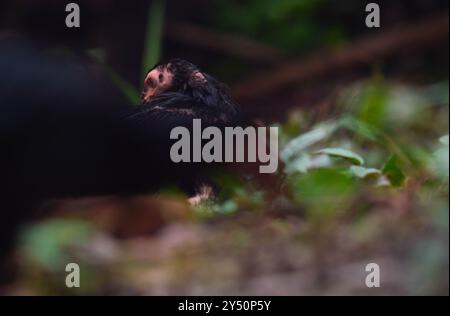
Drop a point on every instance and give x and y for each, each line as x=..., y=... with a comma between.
x=177, y=109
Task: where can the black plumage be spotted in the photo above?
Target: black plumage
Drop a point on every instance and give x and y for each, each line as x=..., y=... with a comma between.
x=66, y=131
x=193, y=94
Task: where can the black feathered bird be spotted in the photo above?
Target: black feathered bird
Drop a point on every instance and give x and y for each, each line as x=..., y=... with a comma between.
x=174, y=94
x=66, y=130
x=179, y=87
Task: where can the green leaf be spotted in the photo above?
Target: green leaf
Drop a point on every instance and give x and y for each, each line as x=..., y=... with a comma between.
x=360, y=128
x=342, y=153
x=303, y=141
x=362, y=172
x=46, y=243
x=306, y=162
x=129, y=91
x=153, y=40
x=393, y=172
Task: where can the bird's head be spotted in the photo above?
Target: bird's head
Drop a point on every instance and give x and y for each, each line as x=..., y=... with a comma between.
x=180, y=80
x=177, y=75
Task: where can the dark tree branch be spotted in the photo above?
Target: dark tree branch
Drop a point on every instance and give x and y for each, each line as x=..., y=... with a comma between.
x=224, y=43
x=361, y=52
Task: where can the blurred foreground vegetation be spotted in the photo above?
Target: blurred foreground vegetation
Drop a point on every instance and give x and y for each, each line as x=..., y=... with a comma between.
x=365, y=166
x=368, y=184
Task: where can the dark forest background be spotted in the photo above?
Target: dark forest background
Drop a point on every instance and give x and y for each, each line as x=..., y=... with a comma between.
x=364, y=145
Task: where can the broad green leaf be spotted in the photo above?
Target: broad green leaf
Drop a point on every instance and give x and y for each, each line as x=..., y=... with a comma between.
x=360, y=128
x=303, y=141
x=362, y=172
x=393, y=172
x=306, y=162
x=342, y=153
x=45, y=243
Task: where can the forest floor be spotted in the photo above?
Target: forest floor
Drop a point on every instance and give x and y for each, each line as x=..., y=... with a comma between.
x=367, y=184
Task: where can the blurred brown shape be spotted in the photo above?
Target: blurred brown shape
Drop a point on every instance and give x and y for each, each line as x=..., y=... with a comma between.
x=125, y=217
x=233, y=45
x=361, y=52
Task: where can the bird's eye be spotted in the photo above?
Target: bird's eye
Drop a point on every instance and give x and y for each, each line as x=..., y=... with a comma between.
x=160, y=77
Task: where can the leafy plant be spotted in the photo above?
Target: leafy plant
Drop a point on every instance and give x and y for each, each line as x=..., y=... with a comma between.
x=153, y=40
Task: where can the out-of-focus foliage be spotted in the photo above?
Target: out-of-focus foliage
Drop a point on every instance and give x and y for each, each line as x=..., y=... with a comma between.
x=130, y=92
x=354, y=189
x=368, y=184
x=153, y=43
x=153, y=40
x=46, y=242
x=292, y=25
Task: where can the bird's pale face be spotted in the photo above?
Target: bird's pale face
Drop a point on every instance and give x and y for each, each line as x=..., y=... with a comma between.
x=156, y=82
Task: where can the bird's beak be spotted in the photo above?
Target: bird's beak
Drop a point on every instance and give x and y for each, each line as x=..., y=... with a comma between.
x=148, y=95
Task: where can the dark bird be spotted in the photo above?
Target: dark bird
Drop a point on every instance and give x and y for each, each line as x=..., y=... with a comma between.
x=179, y=88
x=66, y=130
x=174, y=94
